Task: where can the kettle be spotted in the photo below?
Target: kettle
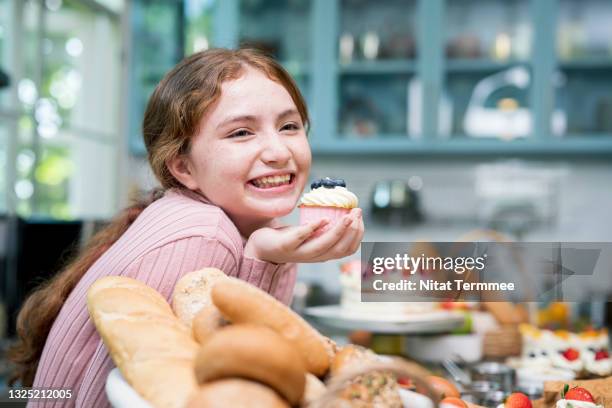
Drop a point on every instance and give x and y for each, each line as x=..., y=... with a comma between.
x=395, y=202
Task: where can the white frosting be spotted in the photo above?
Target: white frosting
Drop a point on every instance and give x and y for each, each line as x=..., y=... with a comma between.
x=602, y=367
x=330, y=197
x=576, y=404
x=559, y=361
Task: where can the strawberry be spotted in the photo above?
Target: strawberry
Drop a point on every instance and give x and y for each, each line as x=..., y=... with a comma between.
x=517, y=400
x=571, y=354
x=577, y=394
x=602, y=354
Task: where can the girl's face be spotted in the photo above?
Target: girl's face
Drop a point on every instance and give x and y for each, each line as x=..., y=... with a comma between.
x=250, y=156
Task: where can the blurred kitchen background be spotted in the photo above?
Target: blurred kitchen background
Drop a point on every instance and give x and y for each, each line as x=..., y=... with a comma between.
x=445, y=117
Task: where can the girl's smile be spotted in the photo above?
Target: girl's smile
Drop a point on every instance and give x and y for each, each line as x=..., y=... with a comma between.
x=274, y=183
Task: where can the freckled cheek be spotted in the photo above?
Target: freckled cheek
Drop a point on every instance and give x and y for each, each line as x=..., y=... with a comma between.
x=229, y=167
x=301, y=153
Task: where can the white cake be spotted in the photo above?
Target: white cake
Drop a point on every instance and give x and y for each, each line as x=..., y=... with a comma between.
x=350, y=299
x=587, y=351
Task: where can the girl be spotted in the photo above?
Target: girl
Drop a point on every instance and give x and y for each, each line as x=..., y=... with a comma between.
x=225, y=133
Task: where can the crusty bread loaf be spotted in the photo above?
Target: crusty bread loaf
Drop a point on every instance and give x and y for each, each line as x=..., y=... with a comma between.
x=192, y=294
x=152, y=348
x=350, y=357
x=236, y=393
x=206, y=322
x=376, y=388
x=313, y=391
x=256, y=353
x=240, y=302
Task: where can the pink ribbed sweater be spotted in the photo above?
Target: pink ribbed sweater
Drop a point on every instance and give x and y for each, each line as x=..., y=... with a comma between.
x=175, y=235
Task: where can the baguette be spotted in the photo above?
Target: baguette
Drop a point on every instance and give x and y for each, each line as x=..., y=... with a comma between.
x=255, y=353
x=240, y=302
x=192, y=294
x=236, y=393
x=152, y=348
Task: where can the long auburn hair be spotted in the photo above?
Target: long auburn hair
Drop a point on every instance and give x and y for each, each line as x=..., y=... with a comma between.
x=173, y=114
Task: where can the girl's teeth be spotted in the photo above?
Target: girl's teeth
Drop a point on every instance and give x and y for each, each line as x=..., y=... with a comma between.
x=272, y=181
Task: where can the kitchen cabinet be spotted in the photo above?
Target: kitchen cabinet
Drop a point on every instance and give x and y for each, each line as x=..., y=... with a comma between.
x=440, y=77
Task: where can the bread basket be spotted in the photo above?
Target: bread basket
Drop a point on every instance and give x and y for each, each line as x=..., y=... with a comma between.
x=503, y=342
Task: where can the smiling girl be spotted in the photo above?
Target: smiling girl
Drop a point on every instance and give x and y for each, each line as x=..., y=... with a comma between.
x=225, y=133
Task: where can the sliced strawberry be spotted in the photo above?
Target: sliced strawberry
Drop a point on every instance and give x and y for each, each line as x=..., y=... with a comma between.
x=579, y=394
x=518, y=400
x=571, y=354
x=602, y=354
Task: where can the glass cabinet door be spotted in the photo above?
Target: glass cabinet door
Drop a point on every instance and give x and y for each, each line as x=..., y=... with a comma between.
x=280, y=28
x=487, y=76
x=584, y=51
x=157, y=45
x=378, y=87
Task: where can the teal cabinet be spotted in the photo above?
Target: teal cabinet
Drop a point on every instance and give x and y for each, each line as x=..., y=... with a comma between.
x=154, y=44
x=517, y=77
x=584, y=55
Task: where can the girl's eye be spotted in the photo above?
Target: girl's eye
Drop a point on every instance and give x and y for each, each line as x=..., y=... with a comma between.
x=240, y=133
x=290, y=126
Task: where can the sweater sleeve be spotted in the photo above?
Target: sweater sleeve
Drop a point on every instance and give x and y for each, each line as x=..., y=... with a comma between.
x=276, y=279
x=162, y=267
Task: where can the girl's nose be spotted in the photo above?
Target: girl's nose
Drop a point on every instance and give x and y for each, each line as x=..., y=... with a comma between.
x=275, y=150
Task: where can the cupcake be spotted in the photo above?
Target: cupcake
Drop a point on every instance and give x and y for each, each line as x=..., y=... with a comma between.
x=327, y=198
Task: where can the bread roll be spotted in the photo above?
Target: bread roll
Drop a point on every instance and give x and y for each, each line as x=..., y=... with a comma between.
x=313, y=391
x=253, y=352
x=152, y=348
x=236, y=393
x=240, y=302
x=192, y=294
x=375, y=388
x=206, y=322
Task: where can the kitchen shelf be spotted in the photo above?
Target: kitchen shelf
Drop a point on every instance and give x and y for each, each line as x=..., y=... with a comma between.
x=415, y=85
x=480, y=65
x=586, y=64
x=403, y=145
x=378, y=67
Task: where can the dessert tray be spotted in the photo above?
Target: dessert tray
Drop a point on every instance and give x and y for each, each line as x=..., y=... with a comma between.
x=438, y=321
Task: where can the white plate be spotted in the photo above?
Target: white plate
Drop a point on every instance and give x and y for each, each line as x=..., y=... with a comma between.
x=438, y=321
x=121, y=394
x=435, y=349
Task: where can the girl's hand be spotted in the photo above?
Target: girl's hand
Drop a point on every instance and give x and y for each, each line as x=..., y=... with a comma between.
x=294, y=244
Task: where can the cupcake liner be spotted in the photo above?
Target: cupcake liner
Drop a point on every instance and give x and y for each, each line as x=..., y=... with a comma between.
x=314, y=214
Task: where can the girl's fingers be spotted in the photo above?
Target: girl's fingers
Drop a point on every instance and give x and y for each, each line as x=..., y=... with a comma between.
x=358, y=237
x=347, y=245
x=301, y=233
x=321, y=244
x=336, y=240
